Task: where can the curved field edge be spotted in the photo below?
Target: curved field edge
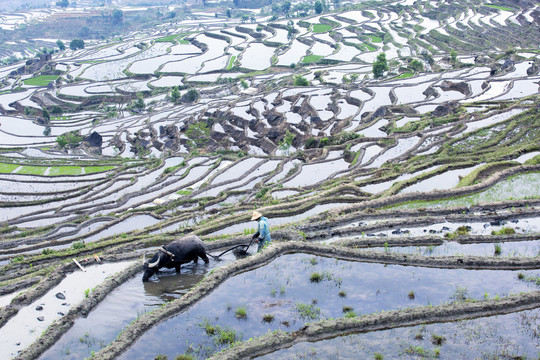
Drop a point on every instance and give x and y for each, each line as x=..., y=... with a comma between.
x=373, y=322
x=130, y=334
x=306, y=204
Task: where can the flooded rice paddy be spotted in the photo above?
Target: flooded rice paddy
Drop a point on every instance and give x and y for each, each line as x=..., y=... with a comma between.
x=283, y=289
x=441, y=142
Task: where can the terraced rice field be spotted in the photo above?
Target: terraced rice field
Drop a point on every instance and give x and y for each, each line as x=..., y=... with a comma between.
x=398, y=205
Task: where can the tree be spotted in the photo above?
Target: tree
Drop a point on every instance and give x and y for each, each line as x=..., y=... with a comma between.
x=300, y=81
x=286, y=143
x=290, y=30
x=62, y=3
x=229, y=14
x=380, y=65
x=416, y=65
x=45, y=114
x=286, y=6
x=453, y=56
x=138, y=105
x=61, y=45
x=84, y=31
x=192, y=95
x=318, y=7
x=57, y=110
x=61, y=141
x=175, y=94
x=244, y=18
x=76, y=44
x=118, y=16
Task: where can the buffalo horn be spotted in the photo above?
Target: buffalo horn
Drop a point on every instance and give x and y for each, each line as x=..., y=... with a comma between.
x=154, y=264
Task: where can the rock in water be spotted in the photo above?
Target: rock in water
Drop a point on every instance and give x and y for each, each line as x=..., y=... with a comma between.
x=40, y=318
x=61, y=296
x=39, y=308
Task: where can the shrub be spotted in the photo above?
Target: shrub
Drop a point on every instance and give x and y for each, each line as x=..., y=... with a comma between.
x=192, y=95
x=300, y=81
x=315, y=277
x=268, y=318
x=504, y=231
x=78, y=245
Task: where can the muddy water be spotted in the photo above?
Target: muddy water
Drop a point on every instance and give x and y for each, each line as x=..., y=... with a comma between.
x=277, y=288
x=124, y=304
x=514, y=335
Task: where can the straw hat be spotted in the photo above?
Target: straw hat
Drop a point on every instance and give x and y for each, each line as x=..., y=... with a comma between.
x=256, y=215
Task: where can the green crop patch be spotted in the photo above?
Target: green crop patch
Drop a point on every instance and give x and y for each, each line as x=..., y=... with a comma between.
x=500, y=8
x=7, y=168
x=42, y=80
x=375, y=39
x=311, y=58
x=370, y=47
x=175, y=38
x=97, y=169
x=65, y=170
x=321, y=28
x=231, y=62
x=405, y=75
x=32, y=170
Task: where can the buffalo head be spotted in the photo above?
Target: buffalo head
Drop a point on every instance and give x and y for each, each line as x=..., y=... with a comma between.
x=152, y=266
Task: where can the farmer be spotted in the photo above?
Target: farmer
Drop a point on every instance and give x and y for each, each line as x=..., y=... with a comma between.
x=262, y=236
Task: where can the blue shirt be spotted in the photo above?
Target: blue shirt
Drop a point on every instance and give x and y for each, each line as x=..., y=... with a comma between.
x=264, y=230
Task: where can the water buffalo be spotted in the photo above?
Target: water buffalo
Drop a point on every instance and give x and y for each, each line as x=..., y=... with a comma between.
x=182, y=251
